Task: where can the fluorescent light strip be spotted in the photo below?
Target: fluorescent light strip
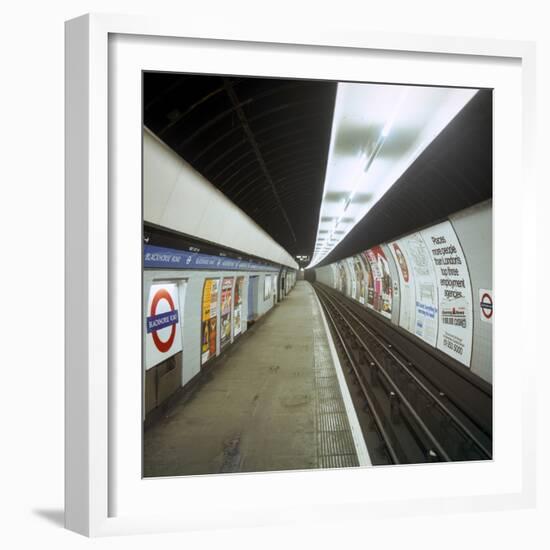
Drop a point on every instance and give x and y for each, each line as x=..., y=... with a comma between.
x=382, y=112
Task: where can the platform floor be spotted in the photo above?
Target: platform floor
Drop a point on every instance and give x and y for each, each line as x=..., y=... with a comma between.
x=271, y=403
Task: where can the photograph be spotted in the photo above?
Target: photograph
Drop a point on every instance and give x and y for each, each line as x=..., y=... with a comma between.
x=257, y=247
x=317, y=274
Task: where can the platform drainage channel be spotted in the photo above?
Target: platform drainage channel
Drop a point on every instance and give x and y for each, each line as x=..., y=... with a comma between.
x=335, y=446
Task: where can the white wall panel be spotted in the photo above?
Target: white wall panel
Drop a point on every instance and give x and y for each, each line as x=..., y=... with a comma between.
x=325, y=275
x=186, y=205
x=474, y=228
x=177, y=197
x=160, y=173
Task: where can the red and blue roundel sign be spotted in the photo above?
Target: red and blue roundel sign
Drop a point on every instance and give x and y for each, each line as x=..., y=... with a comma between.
x=158, y=321
x=486, y=306
x=162, y=324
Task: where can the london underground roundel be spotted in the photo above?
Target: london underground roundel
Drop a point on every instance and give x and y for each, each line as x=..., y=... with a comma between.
x=158, y=321
x=486, y=306
x=162, y=324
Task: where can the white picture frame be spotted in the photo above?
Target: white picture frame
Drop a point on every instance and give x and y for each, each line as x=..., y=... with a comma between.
x=94, y=216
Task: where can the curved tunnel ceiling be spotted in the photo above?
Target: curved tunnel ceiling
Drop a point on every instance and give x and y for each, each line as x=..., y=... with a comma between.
x=454, y=172
x=378, y=131
x=262, y=142
x=265, y=142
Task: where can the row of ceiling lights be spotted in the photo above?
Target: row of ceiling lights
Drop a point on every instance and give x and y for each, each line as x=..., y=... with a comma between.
x=441, y=104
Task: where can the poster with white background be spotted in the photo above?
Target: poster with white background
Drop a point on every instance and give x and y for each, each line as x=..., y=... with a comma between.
x=352, y=277
x=370, y=281
x=342, y=284
x=425, y=287
x=162, y=324
x=335, y=275
x=455, y=292
x=407, y=306
x=238, y=317
x=267, y=287
x=360, y=292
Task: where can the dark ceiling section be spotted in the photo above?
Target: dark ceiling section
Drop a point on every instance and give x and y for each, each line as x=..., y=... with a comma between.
x=454, y=172
x=262, y=142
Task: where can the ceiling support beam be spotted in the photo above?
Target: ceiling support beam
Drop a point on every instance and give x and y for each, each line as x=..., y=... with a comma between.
x=254, y=144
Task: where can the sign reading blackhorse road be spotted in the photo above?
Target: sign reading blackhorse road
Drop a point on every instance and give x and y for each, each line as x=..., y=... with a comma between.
x=163, y=332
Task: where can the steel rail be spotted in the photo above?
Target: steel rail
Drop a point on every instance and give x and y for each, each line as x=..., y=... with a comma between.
x=465, y=430
x=372, y=408
x=428, y=433
x=478, y=384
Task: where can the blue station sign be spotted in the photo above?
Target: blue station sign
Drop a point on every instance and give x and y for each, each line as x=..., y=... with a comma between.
x=158, y=257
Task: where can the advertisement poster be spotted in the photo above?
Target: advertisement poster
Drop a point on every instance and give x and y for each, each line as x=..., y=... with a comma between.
x=163, y=318
x=225, y=320
x=238, y=306
x=382, y=299
x=342, y=283
x=353, y=281
x=360, y=292
x=425, y=287
x=369, y=283
x=209, y=319
x=335, y=275
x=455, y=293
x=407, y=306
x=267, y=287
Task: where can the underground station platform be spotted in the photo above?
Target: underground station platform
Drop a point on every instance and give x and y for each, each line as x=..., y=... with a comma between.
x=274, y=402
x=317, y=282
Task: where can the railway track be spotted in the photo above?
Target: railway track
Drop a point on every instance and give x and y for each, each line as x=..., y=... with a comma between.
x=411, y=419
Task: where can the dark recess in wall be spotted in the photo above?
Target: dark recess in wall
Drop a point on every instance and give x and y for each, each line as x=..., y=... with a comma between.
x=309, y=275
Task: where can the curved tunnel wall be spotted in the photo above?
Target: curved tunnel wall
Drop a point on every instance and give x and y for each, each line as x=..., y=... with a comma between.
x=430, y=283
x=177, y=197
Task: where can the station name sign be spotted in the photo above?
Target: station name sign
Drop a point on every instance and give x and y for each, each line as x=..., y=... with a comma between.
x=158, y=257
